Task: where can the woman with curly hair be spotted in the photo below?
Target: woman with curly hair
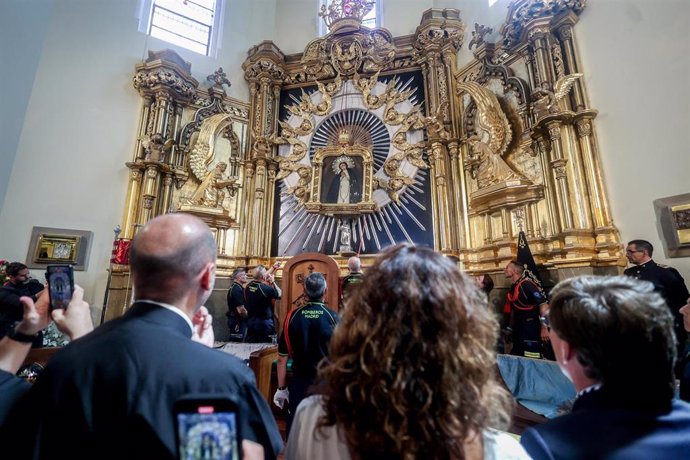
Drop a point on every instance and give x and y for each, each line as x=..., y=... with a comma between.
x=411, y=370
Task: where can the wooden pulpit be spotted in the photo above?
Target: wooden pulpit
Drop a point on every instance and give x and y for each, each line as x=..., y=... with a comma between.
x=294, y=274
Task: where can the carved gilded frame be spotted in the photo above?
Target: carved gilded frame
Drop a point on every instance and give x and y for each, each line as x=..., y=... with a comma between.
x=315, y=203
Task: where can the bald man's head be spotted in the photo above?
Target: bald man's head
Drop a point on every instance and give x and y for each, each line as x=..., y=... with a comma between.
x=168, y=253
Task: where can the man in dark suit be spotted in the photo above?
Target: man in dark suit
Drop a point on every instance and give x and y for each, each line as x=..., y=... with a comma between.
x=613, y=338
x=110, y=393
x=666, y=280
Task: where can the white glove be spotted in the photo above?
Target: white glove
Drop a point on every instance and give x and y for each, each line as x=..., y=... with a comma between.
x=281, y=397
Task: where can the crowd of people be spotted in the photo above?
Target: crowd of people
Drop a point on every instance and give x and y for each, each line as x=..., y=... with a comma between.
x=405, y=369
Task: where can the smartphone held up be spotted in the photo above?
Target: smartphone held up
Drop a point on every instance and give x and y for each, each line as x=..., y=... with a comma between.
x=60, y=285
x=207, y=428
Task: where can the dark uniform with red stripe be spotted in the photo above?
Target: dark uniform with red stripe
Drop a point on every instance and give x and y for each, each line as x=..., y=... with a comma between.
x=523, y=301
x=305, y=337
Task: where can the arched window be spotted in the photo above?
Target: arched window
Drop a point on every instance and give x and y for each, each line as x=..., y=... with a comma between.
x=191, y=24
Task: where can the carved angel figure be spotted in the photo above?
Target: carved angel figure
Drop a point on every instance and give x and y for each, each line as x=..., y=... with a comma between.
x=546, y=101
x=366, y=86
x=211, y=190
x=490, y=144
x=435, y=127
x=155, y=147
x=487, y=166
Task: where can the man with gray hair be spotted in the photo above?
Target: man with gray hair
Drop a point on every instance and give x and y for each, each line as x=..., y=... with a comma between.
x=613, y=338
x=259, y=296
x=237, y=312
x=305, y=336
x=355, y=277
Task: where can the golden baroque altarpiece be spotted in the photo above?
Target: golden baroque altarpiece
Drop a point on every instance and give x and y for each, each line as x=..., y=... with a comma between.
x=376, y=139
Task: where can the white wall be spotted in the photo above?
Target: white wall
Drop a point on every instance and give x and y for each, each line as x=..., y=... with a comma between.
x=636, y=58
x=81, y=112
x=21, y=41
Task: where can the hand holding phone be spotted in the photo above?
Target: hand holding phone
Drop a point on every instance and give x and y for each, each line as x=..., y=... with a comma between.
x=207, y=426
x=60, y=285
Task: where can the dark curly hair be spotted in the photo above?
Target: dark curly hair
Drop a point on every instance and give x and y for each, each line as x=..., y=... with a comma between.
x=412, y=369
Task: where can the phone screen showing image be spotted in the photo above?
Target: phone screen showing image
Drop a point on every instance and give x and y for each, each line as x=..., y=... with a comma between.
x=207, y=433
x=60, y=285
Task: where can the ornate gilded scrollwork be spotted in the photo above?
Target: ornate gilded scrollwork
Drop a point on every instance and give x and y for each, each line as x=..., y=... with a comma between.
x=346, y=56
x=478, y=34
x=392, y=105
x=521, y=13
x=365, y=51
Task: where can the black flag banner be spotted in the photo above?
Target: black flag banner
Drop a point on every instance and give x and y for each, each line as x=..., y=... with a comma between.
x=525, y=258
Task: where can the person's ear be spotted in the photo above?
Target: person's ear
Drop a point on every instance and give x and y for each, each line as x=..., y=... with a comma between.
x=208, y=276
x=568, y=353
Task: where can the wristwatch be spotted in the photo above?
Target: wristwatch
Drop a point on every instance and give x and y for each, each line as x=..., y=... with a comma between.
x=21, y=337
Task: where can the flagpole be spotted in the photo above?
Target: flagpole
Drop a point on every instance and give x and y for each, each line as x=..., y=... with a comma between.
x=116, y=231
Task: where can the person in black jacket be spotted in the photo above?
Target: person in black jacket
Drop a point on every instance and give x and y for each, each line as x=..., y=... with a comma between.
x=11, y=310
x=237, y=311
x=75, y=322
x=305, y=337
x=666, y=280
x=685, y=357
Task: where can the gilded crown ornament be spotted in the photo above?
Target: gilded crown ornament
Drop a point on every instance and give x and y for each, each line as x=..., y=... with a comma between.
x=342, y=13
x=343, y=138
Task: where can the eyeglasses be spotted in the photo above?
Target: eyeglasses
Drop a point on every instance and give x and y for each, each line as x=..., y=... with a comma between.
x=633, y=251
x=544, y=320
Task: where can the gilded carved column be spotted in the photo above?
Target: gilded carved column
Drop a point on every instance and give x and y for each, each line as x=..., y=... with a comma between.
x=595, y=181
x=558, y=164
x=271, y=185
x=264, y=69
x=166, y=194
x=258, y=210
x=165, y=83
x=250, y=234
x=131, y=203
x=544, y=146
x=565, y=32
x=437, y=158
x=543, y=63
x=459, y=192
x=438, y=39
x=149, y=194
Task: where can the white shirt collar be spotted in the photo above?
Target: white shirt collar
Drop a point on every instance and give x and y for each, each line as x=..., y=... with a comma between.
x=589, y=389
x=173, y=309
